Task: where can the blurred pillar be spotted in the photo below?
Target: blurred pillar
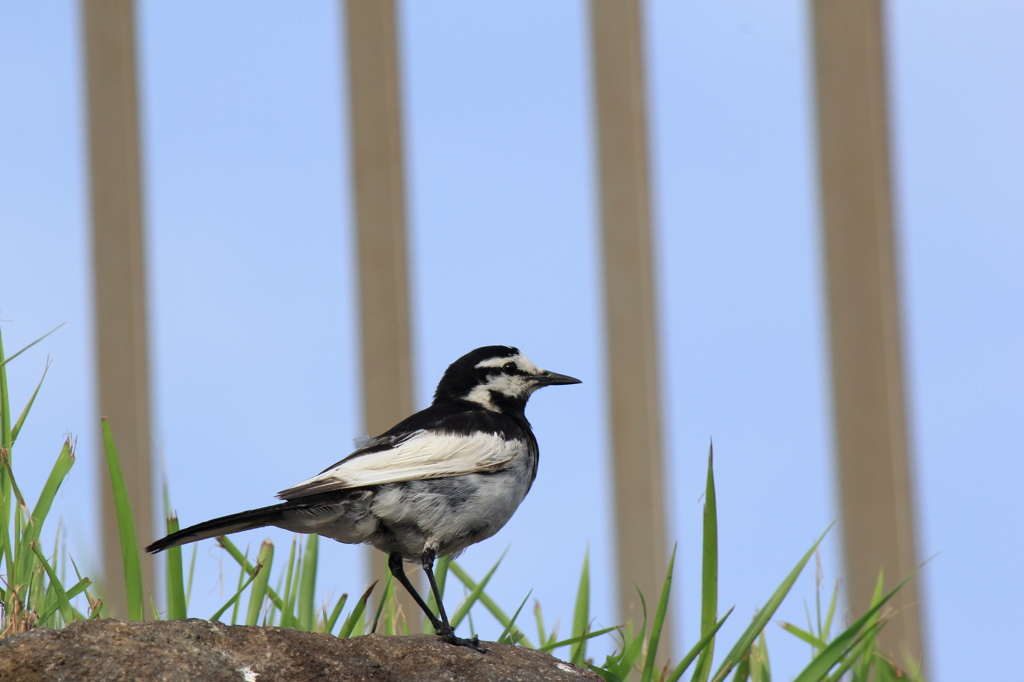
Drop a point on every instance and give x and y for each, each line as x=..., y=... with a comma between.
x=629, y=301
x=864, y=317
x=118, y=276
x=375, y=111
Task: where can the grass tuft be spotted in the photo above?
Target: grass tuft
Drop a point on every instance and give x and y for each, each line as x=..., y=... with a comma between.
x=33, y=592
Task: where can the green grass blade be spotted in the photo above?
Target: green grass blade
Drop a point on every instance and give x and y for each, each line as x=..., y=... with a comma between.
x=307, y=585
x=472, y=628
x=21, y=572
x=875, y=597
x=177, y=602
x=6, y=547
x=827, y=627
x=241, y=582
x=65, y=460
x=551, y=646
x=5, y=479
x=16, y=547
x=239, y=558
x=78, y=589
x=606, y=675
x=5, y=401
x=6, y=541
x=709, y=572
x=236, y=595
x=765, y=614
x=885, y=672
x=176, y=605
x=259, y=585
x=296, y=576
x=488, y=603
x=474, y=594
x=4, y=361
x=858, y=649
x=630, y=654
x=335, y=613
x=125, y=528
x=388, y=595
x=743, y=669
x=581, y=614
x=290, y=588
x=838, y=647
x=349, y=626
x=67, y=613
x=700, y=646
x=650, y=667
x=191, y=574
x=81, y=586
x=94, y=605
x=800, y=633
x=511, y=634
x=16, y=429
x=538, y=617
x=760, y=669
x=632, y=646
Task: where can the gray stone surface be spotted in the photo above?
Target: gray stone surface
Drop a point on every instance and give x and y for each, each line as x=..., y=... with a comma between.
x=111, y=650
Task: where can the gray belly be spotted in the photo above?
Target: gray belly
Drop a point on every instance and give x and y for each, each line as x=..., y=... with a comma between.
x=445, y=514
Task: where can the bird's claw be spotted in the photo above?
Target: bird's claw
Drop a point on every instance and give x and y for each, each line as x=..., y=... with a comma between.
x=473, y=642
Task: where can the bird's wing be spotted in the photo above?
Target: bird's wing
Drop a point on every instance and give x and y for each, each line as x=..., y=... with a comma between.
x=421, y=455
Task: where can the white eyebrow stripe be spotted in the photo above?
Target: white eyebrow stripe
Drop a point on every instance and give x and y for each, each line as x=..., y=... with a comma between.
x=497, y=362
x=521, y=361
x=425, y=455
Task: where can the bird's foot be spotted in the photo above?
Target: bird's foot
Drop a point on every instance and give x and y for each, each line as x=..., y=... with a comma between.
x=473, y=642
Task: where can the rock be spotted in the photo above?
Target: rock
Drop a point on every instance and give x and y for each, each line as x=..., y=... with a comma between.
x=193, y=649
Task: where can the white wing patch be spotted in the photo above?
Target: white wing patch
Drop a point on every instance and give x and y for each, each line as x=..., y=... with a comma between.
x=425, y=455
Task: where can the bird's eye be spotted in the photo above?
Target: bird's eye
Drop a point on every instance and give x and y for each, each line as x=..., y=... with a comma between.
x=509, y=367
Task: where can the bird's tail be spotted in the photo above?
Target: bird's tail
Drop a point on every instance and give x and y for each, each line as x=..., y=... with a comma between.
x=233, y=523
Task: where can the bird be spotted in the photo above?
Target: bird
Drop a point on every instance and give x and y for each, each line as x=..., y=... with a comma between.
x=437, y=482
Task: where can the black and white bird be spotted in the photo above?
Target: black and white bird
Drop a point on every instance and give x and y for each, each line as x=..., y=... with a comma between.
x=441, y=480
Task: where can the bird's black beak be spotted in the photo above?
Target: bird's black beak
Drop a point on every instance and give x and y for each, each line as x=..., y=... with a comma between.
x=546, y=378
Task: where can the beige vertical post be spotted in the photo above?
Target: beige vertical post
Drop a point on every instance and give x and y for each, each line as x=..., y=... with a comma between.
x=629, y=301
x=374, y=102
x=864, y=319
x=118, y=275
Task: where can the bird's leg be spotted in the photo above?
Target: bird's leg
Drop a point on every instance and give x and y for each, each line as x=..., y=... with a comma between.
x=445, y=631
x=397, y=570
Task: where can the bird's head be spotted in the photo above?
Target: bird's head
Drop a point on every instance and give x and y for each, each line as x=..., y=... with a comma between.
x=499, y=378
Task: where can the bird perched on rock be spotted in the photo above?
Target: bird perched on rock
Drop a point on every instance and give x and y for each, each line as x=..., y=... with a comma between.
x=439, y=481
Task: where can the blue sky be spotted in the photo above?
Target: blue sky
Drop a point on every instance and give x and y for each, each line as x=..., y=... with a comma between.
x=251, y=285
